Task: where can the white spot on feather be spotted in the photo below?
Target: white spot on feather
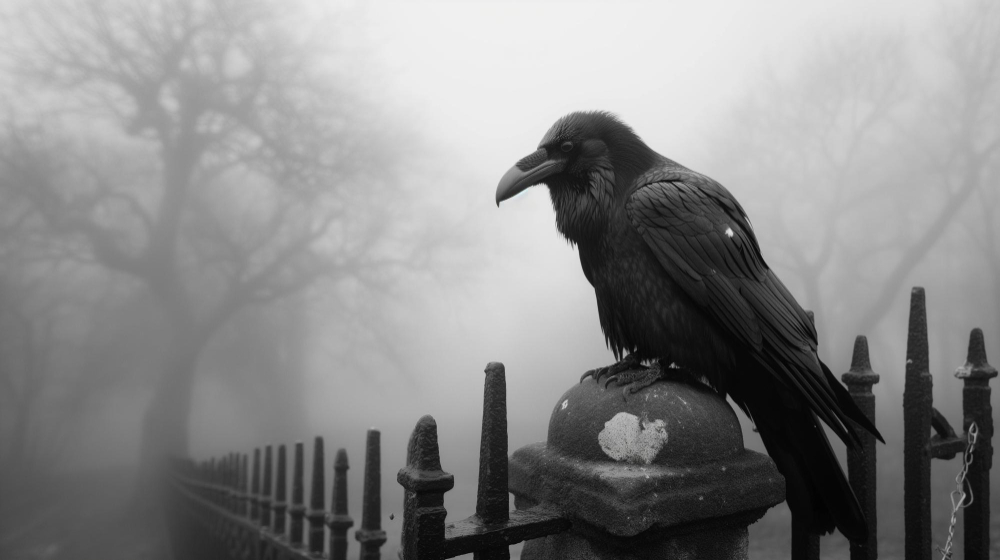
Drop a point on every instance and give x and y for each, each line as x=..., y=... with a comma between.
x=565, y=403
x=729, y=231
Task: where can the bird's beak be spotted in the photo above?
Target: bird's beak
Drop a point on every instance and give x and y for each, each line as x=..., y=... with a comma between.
x=528, y=172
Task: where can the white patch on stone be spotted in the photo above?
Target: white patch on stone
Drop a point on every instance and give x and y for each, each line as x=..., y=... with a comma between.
x=626, y=438
x=729, y=231
x=565, y=403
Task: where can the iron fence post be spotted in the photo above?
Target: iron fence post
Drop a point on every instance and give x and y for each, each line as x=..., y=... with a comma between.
x=255, y=488
x=280, y=505
x=370, y=535
x=423, y=503
x=298, y=510
x=976, y=407
x=316, y=514
x=339, y=521
x=917, y=403
x=492, y=501
x=861, y=459
x=265, y=501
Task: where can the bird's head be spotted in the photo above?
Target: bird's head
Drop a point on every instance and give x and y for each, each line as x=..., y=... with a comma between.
x=584, y=158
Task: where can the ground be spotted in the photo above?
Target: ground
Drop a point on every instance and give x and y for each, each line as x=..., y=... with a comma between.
x=90, y=516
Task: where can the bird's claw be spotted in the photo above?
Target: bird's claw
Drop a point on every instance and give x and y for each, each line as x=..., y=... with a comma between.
x=636, y=379
x=612, y=371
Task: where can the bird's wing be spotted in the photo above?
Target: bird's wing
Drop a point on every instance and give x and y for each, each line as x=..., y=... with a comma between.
x=704, y=241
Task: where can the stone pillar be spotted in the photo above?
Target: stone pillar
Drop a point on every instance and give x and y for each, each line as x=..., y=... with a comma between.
x=663, y=474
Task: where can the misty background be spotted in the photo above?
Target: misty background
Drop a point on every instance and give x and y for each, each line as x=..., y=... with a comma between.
x=225, y=224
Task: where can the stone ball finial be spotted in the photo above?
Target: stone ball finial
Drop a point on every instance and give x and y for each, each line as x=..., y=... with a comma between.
x=675, y=424
x=663, y=469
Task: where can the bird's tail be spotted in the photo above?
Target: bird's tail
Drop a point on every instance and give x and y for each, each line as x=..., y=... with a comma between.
x=817, y=490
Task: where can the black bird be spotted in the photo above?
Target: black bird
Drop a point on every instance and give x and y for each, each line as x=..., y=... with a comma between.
x=680, y=282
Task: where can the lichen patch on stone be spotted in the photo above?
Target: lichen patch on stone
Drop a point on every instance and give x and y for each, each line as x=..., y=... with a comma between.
x=627, y=438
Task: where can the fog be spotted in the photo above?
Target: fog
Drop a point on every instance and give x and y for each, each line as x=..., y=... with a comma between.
x=338, y=260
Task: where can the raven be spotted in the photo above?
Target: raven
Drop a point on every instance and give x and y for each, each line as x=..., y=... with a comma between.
x=681, y=282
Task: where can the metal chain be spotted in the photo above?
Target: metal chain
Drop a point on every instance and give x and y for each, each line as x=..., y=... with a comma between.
x=958, y=494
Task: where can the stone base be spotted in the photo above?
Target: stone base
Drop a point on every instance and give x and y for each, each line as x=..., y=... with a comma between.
x=725, y=544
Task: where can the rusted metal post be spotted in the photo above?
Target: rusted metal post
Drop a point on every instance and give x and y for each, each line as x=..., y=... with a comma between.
x=423, y=503
x=298, y=510
x=492, y=502
x=861, y=459
x=244, y=486
x=210, y=477
x=917, y=403
x=370, y=535
x=976, y=407
x=280, y=504
x=255, y=488
x=339, y=521
x=234, y=483
x=265, y=501
x=316, y=514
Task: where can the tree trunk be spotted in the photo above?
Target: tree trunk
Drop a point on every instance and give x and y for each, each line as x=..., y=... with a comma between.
x=165, y=425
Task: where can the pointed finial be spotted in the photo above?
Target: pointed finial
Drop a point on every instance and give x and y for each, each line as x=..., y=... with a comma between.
x=976, y=365
x=423, y=460
x=861, y=377
x=860, y=362
x=917, y=361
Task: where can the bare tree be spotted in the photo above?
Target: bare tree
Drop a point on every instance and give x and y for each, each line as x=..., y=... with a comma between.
x=809, y=151
x=202, y=149
x=49, y=375
x=859, y=161
x=956, y=137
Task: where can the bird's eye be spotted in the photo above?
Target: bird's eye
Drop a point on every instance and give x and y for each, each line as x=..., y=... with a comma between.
x=566, y=146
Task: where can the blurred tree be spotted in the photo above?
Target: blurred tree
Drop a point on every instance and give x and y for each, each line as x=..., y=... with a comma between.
x=54, y=354
x=953, y=141
x=210, y=150
x=859, y=161
x=810, y=151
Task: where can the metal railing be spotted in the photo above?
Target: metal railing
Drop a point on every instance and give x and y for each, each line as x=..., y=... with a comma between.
x=214, y=514
x=222, y=509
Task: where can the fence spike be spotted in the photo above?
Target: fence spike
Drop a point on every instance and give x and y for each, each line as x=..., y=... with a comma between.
x=280, y=503
x=423, y=503
x=255, y=487
x=231, y=483
x=265, y=501
x=339, y=521
x=976, y=407
x=244, y=485
x=370, y=535
x=492, y=503
x=917, y=402
x=860, y=361
x=976, y=364
x=861, y=458
x=316, y=514
x=298, y=510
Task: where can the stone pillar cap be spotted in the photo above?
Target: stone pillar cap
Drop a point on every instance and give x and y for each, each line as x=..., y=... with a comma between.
x=667, y=456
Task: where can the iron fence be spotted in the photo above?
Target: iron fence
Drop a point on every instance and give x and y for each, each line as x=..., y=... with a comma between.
x=223, y=509
x=218, y=516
